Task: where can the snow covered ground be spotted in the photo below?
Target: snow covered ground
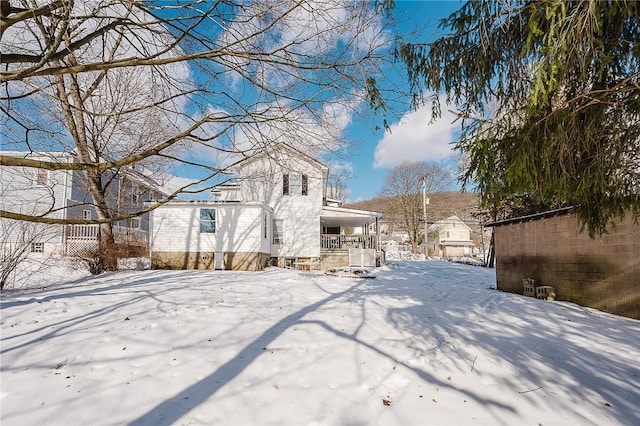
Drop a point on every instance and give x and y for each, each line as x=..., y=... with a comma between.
x=423, y=343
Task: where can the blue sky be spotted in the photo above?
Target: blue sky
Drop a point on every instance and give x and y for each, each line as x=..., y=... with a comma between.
x=411, y=137
x=373, y=152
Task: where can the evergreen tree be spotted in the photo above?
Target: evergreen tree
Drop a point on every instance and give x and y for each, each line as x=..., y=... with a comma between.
x=548, y=94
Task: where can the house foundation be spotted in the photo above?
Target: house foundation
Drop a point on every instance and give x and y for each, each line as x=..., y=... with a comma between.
x=237, y=261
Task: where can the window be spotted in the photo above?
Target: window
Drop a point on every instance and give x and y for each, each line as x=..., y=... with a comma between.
x=135, y=198
x=448, y=234
x=42, y=177
x=295, y=184
x=37, y=247
x=207, y=221
x=134, y=223
x=86, y=214
x=278, y=231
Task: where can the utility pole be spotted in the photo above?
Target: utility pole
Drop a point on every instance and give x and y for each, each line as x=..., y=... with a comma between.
x=425, y=201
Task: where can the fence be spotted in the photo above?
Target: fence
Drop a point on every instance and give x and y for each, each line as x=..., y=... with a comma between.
x=81, y=239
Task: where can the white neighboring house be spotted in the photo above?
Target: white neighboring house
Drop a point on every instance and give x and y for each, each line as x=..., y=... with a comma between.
x=62, y=194
x=275, y=212
x=449, y=238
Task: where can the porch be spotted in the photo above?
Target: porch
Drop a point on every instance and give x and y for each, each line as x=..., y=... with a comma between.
x=345, y=242
x=349, y=237
x=80, y=239
x=343, y=229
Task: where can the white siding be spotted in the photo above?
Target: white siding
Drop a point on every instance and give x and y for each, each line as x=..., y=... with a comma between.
x=239, y=228
x=21, y=193
x=300, y=213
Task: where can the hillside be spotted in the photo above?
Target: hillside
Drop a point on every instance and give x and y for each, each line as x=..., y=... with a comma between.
x=441, y=205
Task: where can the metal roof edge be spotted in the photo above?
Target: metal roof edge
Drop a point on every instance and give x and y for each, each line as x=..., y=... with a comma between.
x=535, y=216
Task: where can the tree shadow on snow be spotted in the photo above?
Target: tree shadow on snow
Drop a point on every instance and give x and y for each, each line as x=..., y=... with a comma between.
x=417, y=301
x=179, y=405
x=553, y=347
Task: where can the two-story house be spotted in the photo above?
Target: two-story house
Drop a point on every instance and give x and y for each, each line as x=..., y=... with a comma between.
x=449, y=238
x=63, y=194
x=274, y=213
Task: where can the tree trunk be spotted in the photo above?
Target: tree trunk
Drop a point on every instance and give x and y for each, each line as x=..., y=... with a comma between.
x=107, y=251
x=492, y=252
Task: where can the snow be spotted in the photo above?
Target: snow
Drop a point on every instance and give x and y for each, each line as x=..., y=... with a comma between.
x=424, y=342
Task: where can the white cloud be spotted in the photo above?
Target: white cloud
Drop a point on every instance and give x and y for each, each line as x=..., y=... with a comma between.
x=414, y=138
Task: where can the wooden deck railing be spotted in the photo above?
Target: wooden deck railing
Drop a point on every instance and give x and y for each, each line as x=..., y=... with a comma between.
x=121, y=233
x=344, y=242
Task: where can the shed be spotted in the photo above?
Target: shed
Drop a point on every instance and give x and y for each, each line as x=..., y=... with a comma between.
x=602, y=273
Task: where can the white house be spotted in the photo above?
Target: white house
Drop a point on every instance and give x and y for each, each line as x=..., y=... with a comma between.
x=449, y=238
x=274, y=212
x=62, y=194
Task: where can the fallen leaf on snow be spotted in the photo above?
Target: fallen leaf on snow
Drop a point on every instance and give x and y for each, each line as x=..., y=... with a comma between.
x=386, y=402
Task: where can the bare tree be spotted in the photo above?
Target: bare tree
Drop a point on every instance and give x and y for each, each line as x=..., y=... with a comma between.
x=337, y=187
x=404, y=187
x=126, y=84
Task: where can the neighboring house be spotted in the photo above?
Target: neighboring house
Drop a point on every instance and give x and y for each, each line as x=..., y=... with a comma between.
x=275, y=212
x=449, y=238
x=602, y=273
x=62, y=194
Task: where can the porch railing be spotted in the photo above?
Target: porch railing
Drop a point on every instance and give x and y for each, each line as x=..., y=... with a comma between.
x=122, y=233
x=84, y=238
x=344, y=242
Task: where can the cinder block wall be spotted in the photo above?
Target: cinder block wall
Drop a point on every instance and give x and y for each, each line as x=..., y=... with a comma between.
x=231, y=261
x=334, y=259
x=603, y=273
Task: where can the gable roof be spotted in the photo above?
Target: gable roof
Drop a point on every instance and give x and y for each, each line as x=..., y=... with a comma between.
x=446, y=222
x=275, y=152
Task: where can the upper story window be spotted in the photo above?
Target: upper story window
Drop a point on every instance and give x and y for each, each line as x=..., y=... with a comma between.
x=37, y=247
x=207, y=221
x=41, y=178
x=86, y=214
x=134, y=223
x=295, y=184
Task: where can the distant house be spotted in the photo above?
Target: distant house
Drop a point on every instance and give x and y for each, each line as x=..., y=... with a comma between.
x=602, y=273
x=63, y=194
x=449, y=238
x=274, y=213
